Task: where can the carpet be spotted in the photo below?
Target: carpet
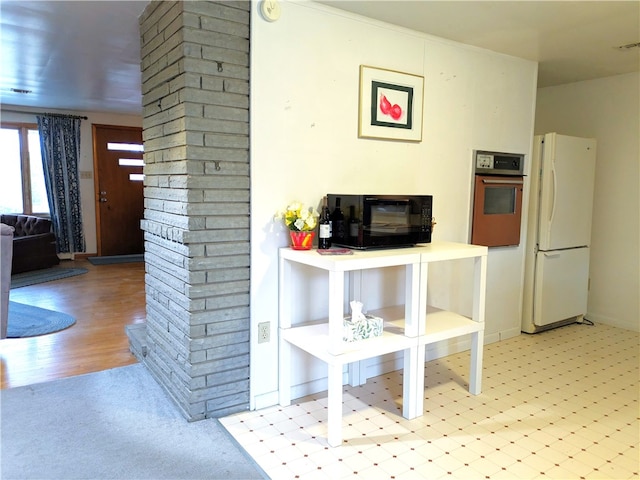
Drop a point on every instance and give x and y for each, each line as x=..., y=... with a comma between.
x=115, y=424
x=45, y=275
x=29, y=321
x=107, y=260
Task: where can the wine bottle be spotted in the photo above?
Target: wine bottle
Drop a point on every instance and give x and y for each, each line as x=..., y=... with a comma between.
x=324, y=226
x=338, y=227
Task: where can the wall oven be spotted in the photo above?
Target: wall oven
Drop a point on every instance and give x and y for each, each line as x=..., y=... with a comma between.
x=497, y=202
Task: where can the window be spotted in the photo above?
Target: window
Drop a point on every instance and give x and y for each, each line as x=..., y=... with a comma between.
x=22, y=188
x=129, y=162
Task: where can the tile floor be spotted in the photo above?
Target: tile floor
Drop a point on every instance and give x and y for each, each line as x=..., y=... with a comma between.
x=561, y=404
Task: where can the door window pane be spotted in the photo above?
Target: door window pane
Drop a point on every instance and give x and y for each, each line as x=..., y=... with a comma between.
x=125, y=147
x=11, y=178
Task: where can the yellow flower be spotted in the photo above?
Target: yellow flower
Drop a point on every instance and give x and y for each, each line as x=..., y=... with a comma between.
x=298, y=217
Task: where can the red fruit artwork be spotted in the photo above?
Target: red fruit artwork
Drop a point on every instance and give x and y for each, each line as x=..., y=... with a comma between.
x=395, y=111
x=385, y=105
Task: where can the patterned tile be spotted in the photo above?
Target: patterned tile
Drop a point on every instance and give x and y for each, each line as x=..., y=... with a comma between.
x=561, y=404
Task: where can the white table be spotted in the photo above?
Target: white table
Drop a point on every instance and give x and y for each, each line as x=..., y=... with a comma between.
x=408, y=328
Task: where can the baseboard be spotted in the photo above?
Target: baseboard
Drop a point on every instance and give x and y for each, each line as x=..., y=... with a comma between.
x=265, y=400
x=614, y=322
x=74, y=256
x=83, y=256
x=505, y=334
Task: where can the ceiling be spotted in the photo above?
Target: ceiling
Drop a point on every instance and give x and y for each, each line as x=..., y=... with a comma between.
x=72, y=55
x=571, y=40
x=85, y=56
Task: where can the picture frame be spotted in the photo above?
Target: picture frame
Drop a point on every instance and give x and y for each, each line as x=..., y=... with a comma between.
x=390, y=104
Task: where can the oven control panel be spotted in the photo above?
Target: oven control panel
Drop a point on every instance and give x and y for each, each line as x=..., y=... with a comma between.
x=496, y=163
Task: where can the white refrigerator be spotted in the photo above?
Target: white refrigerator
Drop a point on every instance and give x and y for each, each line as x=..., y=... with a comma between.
x=559, y=231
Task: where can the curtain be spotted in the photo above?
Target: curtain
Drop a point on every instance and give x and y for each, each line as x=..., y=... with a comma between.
x=60, y=147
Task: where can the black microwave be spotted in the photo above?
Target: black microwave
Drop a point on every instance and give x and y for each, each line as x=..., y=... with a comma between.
x=381, y=221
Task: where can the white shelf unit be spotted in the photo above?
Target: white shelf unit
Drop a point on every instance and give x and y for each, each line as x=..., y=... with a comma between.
x=407, y=328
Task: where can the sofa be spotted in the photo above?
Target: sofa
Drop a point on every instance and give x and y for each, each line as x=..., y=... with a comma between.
x=34, y=244
x=6, y=249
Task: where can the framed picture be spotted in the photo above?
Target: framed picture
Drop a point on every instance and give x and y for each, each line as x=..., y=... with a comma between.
x=390, y=105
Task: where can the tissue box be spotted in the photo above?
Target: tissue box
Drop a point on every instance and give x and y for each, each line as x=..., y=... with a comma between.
x=368, y=327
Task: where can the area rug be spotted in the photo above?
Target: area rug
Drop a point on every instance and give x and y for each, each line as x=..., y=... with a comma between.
x=107, y=260
x=29, y=321
x=45, y=275
x=114, y=424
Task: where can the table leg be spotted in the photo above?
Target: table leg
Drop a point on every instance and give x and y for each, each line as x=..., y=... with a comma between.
x=284, y=371
x=413, y=382
x=334, y=405
x=475, y=373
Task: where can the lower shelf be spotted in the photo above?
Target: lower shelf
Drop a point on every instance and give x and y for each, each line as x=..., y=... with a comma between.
x=314, y=339
x=439, y=325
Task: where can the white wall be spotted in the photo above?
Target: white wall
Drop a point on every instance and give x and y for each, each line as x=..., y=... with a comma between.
x=304, y=144
x=607, y=109
x=85, y=167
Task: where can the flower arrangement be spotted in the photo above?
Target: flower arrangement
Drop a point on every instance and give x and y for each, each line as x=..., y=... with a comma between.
x=299, y=218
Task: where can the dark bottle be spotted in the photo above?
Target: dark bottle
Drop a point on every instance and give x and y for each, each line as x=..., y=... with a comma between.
x=324, y=226
x=338, y=227
x=353, y=222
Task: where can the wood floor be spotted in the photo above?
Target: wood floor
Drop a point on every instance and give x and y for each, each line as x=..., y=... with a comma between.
x=103, y=301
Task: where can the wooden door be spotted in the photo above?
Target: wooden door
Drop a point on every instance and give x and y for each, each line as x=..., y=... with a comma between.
x=119, y=192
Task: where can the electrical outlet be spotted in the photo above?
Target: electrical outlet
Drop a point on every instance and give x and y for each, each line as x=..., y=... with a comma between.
x=264, y=332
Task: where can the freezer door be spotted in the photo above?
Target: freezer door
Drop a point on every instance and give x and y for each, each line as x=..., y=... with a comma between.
x=561, y=285
x=566, y=192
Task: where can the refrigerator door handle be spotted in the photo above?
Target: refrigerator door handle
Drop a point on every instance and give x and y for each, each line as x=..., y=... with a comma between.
x=551, y=255
x=553, y=202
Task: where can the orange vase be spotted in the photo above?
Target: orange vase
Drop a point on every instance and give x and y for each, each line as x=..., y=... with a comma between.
x=301, y=240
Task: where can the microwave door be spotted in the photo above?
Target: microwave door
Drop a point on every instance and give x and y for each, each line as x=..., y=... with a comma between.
x=388, y=214
x=379, y=221
x=389, y=229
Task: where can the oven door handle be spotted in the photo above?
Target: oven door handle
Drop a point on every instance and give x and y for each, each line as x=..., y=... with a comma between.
x=502, y=182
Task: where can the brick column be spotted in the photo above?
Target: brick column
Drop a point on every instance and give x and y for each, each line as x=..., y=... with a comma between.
x=195, y=85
